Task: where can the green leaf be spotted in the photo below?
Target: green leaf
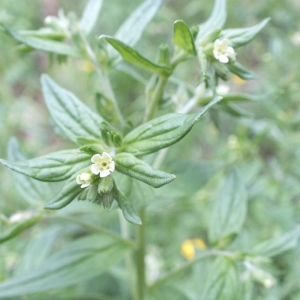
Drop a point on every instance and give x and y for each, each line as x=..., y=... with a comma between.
x=239, y=70
x=55, y=166
x=241, y=36
x=278, y=245
x=183, y=37
x=215, y=21
x=133, y=57
x=42, y=44
x=222, y=281
x=229, y=210
x=128, y=164
x=131, y=30
x=18, y=227
x=31, y=190
x=68, y=193
x=90, y=15
x=162, y=132
x=126, y=206
x=77, y=262
x=69, y=114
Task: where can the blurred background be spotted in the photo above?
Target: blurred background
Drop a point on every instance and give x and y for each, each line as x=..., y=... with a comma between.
x=264, y=139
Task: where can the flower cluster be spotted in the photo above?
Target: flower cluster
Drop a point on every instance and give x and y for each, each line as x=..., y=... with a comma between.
x=102, y=165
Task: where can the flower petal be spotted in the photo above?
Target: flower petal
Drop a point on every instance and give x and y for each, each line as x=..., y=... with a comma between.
x=104, y=173
x=96, y=158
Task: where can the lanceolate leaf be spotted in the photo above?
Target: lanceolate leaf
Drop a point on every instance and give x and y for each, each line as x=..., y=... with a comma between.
x=242, y=36
x=68, y=193
x=133, y=57
x=90, y=15
x=42, y=44
x=128, y=164
x=73, y=118
x=162, y=132
x=183, y=37
x=229, y=210
x=279, y=244
x=131, y=30
x=239, y=70
x=55, y=166
x=222, y=281
x=77, y=262
x=215, y=21
x=126, y=206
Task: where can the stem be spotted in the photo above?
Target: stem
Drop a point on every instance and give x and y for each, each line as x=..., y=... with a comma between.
x=187, y=266
x=104, y=80
x=92, y=227
x=158, y=92
x=140, y=258
x=128, y=259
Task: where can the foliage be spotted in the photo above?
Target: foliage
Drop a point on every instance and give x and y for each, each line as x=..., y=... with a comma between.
x=196, y=190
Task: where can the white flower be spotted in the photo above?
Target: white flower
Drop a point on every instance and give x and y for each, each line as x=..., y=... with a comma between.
x=102, y=164
x=84, y=179
x=222, y=51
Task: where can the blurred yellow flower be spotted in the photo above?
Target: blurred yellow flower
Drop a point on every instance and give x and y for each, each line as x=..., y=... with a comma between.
x=188, y=247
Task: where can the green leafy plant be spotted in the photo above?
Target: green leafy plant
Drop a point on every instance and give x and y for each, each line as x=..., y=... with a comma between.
x=140, y=164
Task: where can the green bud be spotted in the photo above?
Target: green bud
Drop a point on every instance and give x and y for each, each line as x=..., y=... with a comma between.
x=164, y=55
x=92, y=149
x=107, y=200
x=105, y=185
x=221, y=70
x=83, y=195
x=110, y=136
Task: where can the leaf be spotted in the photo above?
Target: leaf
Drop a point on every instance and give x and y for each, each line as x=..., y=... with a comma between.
x=68, y=193
x=77, y=262
x=90, y=15
x=229, y=210
x=41, y=43
x=241, y=36
x=162, y=132
x=131, y=30
x=239, y=70
x=69, y=114
x=55, y=166
x=18, y=227
x=215, y=21
x=222, y=281
x=183, y=37
x=278, y=245
x=133, y=57
x=31, y=190
x=126, y=206
x=128, y=164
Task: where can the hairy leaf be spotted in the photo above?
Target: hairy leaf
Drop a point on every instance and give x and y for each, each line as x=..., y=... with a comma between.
x=55, y=166
x=73, y=118
x=162, y=132
x=241, y=71
x=90, y=15
x=128, y=164
x=183, y=37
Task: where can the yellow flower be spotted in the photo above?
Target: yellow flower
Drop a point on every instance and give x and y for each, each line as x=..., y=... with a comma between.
x=189, y=246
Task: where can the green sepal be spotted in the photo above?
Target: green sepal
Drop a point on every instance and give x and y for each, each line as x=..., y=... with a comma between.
x=162, y=132
x=18, y=227
x=183, y=37
x=56, y=166
x=221, y=70
x=133, y=57
x=110, y=136
x=129, y=165
x=126, y=206
x=68, y=193
x=105, y=185
x=241, y=71
x=42, y=44
x=241, y=36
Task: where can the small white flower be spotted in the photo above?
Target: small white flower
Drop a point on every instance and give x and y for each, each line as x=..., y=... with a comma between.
x=84, y=179
x=222, y=51
x=102, y=164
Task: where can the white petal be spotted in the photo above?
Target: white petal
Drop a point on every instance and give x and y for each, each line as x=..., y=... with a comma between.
x=85, y=185
x=95, y=169
x=223, y=59
x=104, y=173
x=78, y=179
x=96, y=158
x=111, y=166
x=106, y=156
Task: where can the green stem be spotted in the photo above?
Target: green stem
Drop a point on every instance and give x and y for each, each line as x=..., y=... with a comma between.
x=92, y=227
x=104, y=80
x=177, y=272
x=140, y=258
x=157, y=94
